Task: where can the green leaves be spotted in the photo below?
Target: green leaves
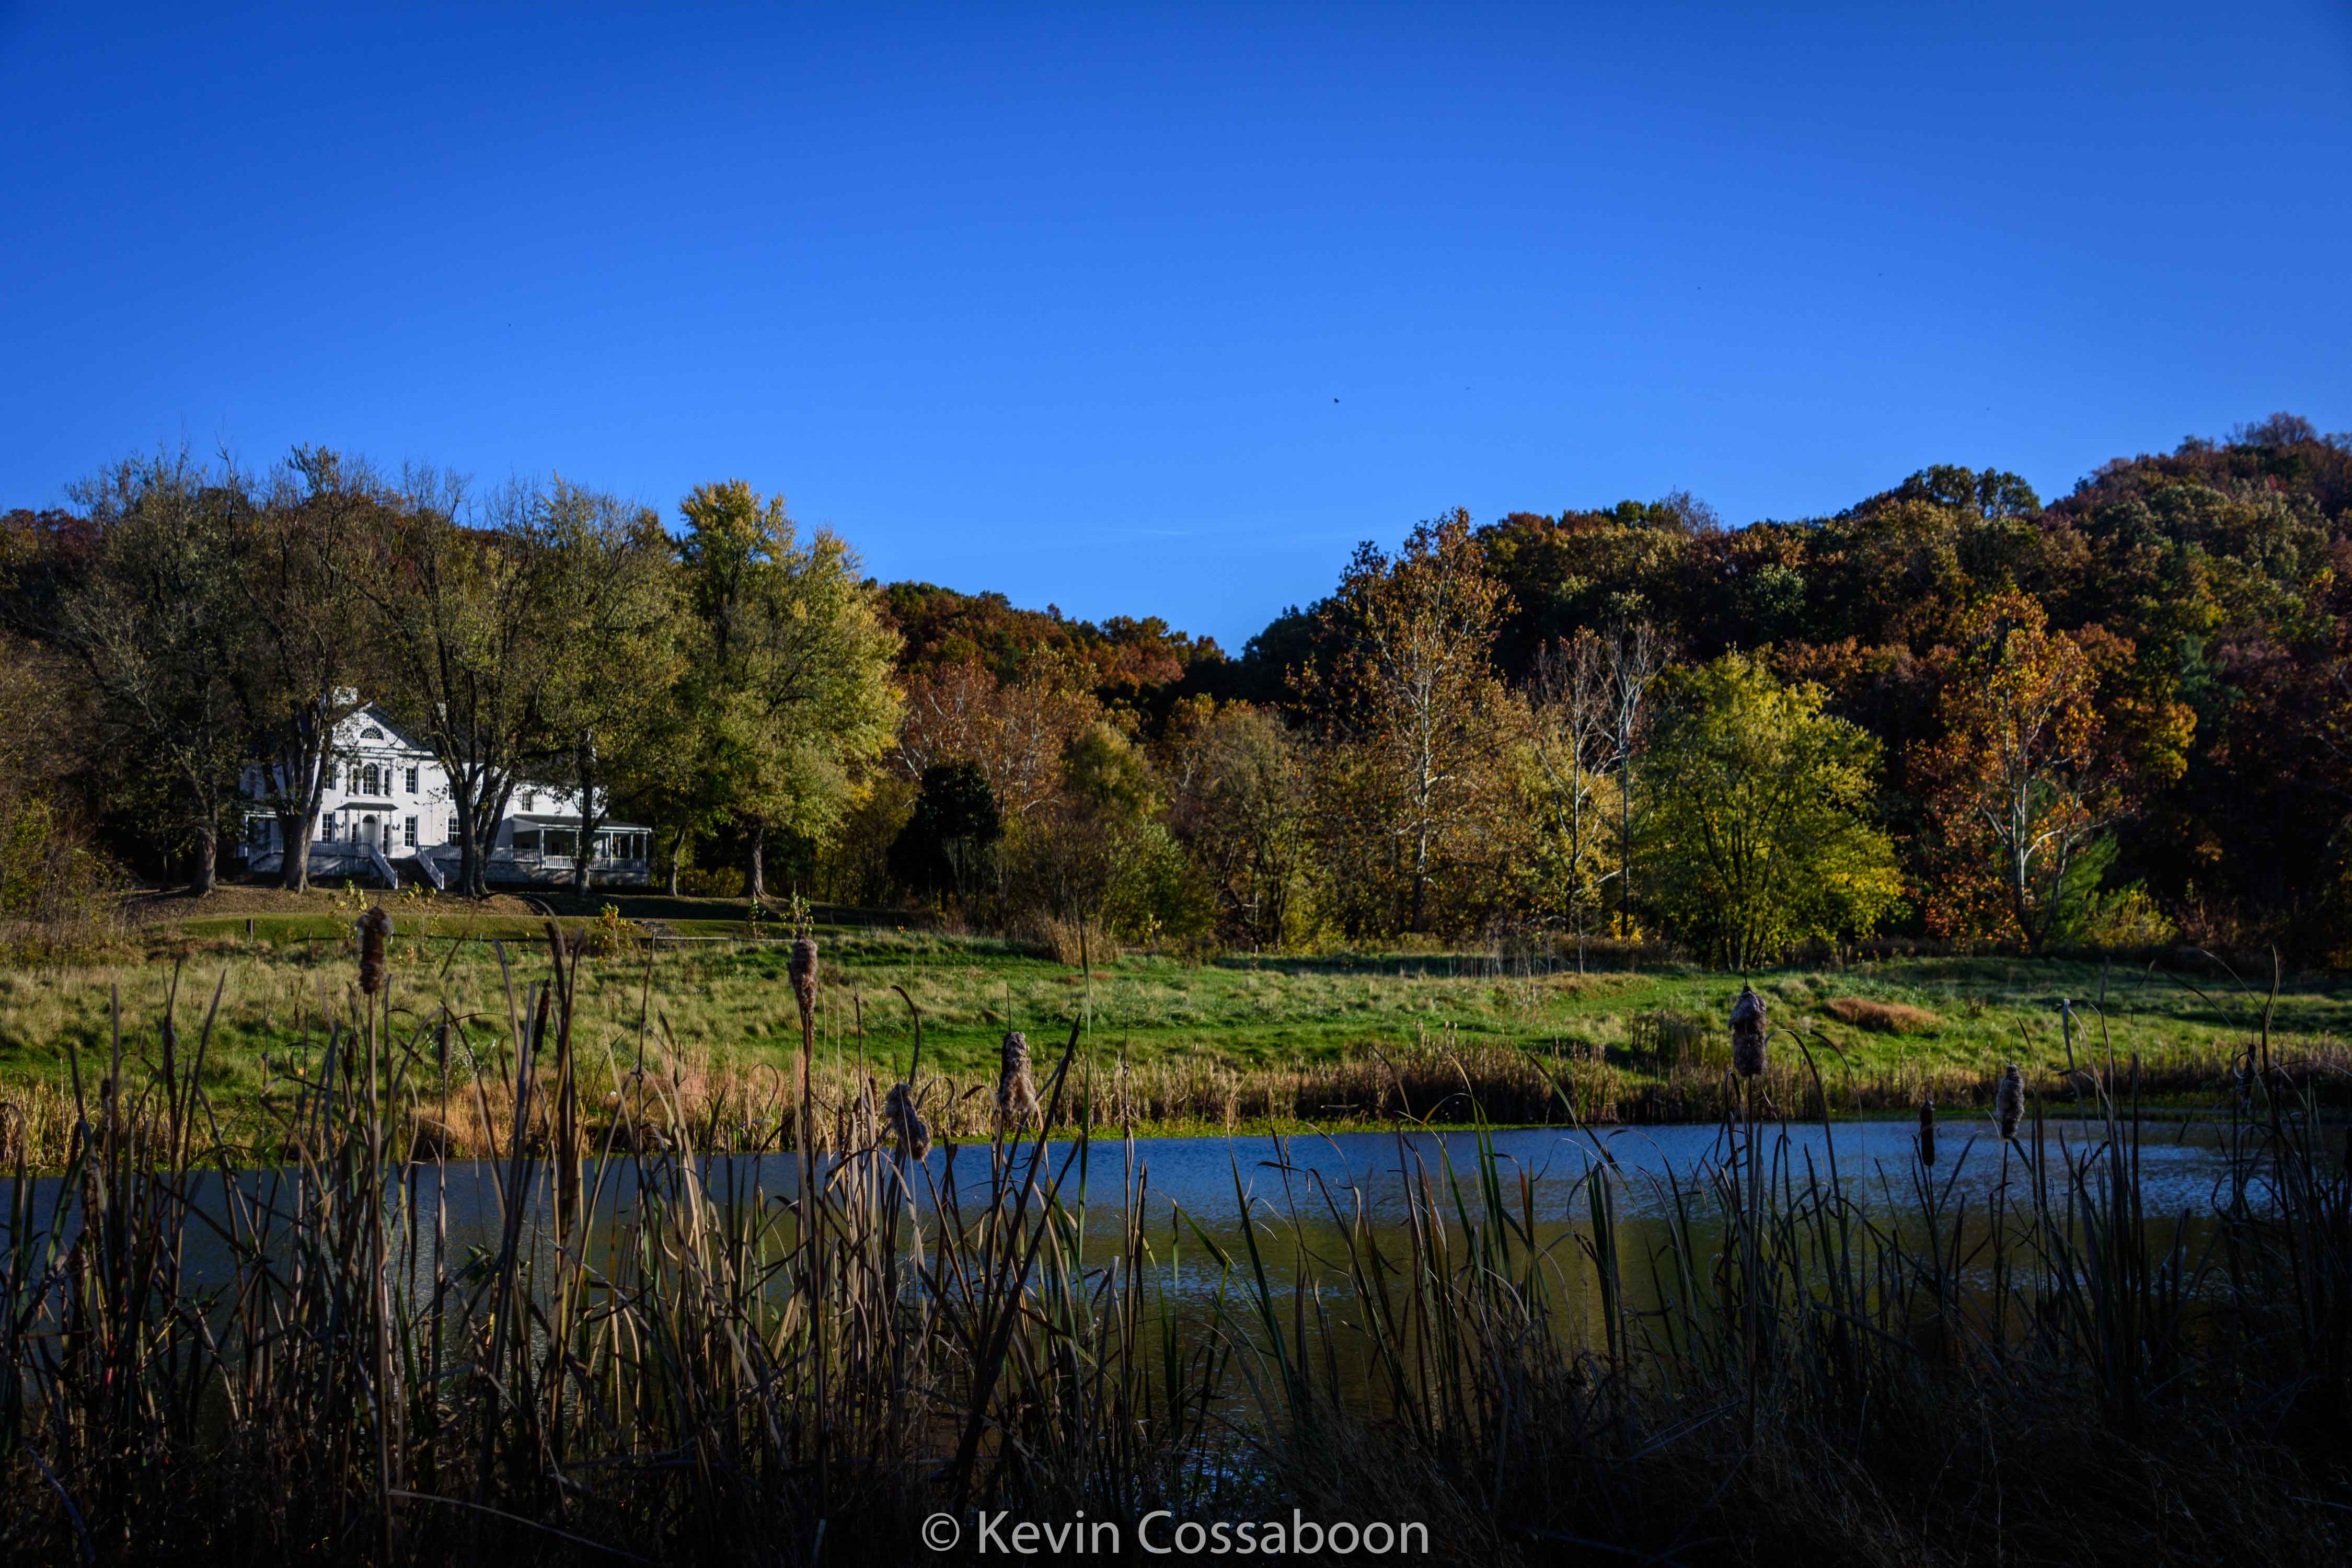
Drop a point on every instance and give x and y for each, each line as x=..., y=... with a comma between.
x=1759, y=834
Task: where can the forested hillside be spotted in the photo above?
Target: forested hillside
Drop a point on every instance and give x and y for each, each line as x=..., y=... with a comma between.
x=1954, y=710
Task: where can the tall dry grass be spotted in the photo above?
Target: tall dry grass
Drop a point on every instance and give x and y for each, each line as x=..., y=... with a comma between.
x=205, y=1359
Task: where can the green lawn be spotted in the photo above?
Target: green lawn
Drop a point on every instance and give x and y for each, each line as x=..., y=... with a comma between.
x=725, y=1003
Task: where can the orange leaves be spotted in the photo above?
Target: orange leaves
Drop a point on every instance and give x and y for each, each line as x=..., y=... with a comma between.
x=2026, y=777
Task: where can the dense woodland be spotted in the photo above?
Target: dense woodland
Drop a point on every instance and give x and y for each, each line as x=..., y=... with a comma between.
x=1952, y=712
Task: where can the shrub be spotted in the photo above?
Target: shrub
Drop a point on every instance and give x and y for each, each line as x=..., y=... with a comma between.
x=1882, y=1017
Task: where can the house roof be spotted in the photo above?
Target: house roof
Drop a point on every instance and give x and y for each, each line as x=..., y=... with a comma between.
x=394, y=736
x=545, y=819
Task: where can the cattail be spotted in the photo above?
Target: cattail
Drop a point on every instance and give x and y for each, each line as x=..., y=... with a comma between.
x=375, y=928
x=859, y=1120
x=1928, y=1132
x=913, y=1134
x=802, y=967
x=1748, y=1033
x=1016, y=1092
x=2009, y=1100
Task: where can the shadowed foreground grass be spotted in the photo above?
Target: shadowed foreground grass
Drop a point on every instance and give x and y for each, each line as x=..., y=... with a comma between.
x=2053, y=1374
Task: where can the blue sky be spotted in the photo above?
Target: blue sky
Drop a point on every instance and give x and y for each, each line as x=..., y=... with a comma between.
x=1158, y=312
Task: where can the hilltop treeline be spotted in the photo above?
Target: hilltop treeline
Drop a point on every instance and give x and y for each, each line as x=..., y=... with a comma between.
x=1953, y=711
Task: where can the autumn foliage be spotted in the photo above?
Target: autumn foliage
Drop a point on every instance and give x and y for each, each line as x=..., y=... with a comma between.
x=1948, y=713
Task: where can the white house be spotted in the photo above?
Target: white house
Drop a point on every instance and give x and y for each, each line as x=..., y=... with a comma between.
x=388, y=814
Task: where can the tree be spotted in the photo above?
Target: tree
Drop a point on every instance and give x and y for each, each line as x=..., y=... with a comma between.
x=1989, y=494
x=1572, y=742
x=1063, y=862
x=471, y=600
x=790, y=667
x=1240, y=809
x=615, y=579
x=1018, y=731
x=298, y=647
x=1415, y=696
x=949, y=844
x=2022, y=782
x=1758, y=829
x=152, y=627
x=1633, y=655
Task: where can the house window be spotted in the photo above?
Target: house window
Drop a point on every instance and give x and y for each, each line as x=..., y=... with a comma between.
x=455, y=832
x=372, y=734
x=326, y=829
x=531, y=801
x=412, y=781
x=411, y=827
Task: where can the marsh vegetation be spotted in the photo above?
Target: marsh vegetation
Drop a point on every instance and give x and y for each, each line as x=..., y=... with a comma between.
x=660, y=1352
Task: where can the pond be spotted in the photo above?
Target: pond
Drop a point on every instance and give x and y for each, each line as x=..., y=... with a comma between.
x=1302, y=1193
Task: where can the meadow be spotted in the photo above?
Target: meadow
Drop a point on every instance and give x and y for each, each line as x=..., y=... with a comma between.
x=1169, y=1045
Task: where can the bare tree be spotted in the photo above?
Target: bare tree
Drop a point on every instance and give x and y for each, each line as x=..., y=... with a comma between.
x=1572, y=705
x=1634, y=655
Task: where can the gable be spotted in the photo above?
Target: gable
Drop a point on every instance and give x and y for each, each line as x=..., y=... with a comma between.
x=372, y=727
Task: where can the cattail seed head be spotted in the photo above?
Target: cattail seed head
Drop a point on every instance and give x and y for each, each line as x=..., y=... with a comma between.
x=1748, y=1033
x=1928, y=1132
x=802, y=967
x=375, y=929
x=2009, y=1100
x=906, y=1123
x=1016, y=1091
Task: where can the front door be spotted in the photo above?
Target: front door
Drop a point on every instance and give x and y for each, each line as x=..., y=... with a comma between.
x=367, y=831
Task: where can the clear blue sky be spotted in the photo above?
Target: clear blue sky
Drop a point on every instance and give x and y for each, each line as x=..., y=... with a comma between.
x=1158, y=312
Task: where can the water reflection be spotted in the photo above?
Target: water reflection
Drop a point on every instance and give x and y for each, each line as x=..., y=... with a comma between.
x=1303, y=1194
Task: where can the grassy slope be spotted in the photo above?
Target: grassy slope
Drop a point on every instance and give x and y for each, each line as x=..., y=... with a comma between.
x=725, y=1001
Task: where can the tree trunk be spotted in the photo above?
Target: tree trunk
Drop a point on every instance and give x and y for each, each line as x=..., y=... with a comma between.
x=294, y=851
x=590, y=818
x=1625, y=848
x=469, y=861
x=205, y=871
x=755, y=871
